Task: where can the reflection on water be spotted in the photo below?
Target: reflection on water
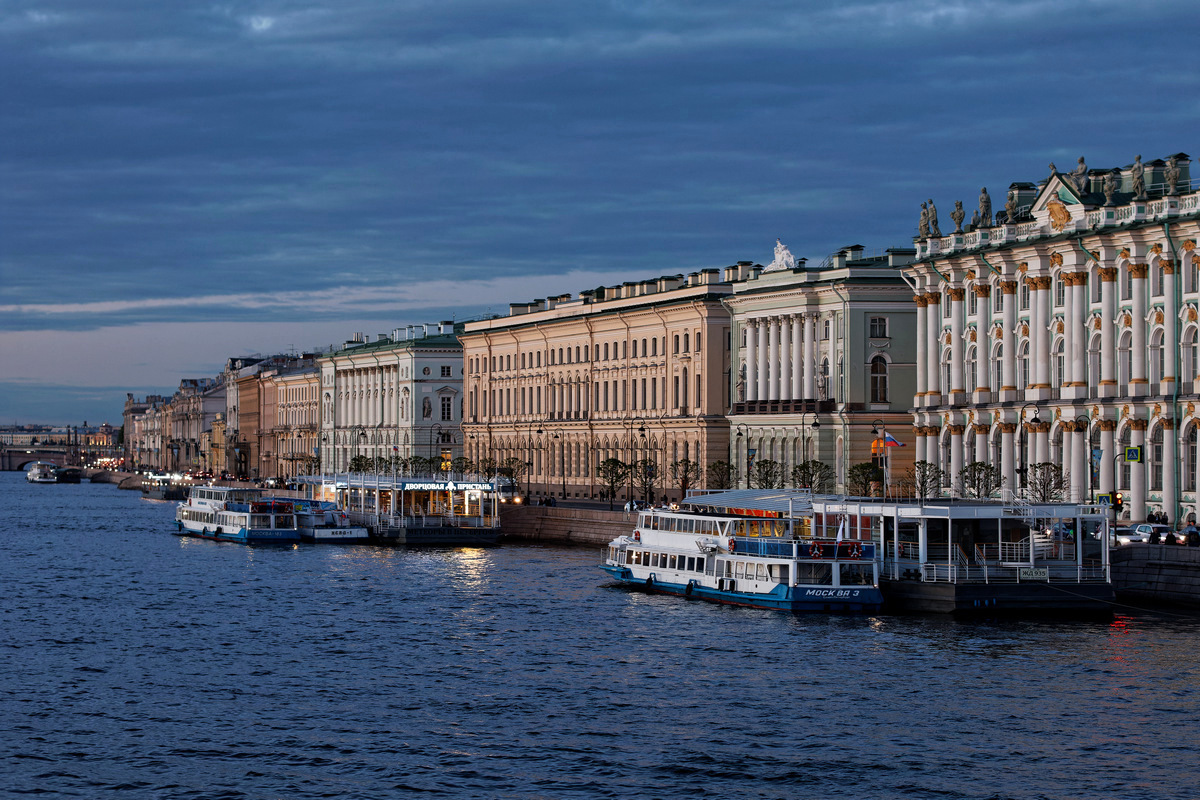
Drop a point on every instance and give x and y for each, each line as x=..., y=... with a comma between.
x=139, y=664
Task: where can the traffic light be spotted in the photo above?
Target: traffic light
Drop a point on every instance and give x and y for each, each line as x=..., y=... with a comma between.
x=1118, y=500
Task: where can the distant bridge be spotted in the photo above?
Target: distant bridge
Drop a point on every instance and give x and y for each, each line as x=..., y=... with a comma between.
x=15, y=457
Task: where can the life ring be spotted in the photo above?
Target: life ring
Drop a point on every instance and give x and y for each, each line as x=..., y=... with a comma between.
x=814, y=550
x=637, y=536
x=732, y=545
x=856, y=550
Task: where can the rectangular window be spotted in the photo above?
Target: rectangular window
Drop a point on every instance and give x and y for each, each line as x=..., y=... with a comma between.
x=879, y=327
x=445, y=372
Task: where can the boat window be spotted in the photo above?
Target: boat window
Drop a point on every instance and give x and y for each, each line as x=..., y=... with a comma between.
x=700, y=564
x=691, y=564
x=779, y=573
x=814, y=574
x=856, y=574
x=671, y=563
x=762, y=572
x=739, y=569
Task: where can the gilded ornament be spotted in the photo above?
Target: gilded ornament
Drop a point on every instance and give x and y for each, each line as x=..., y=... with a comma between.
x=1056, y=259
x=1124, y=253
x=1156, y=249
x=998, y=332
x=1095, y=411
x=1023, y=266
x=1097, y=324
x=1024, y=328
x=1124, y=411
x=1191, y=315
x=970, y=274
x=1189, y=245
x=1191, y=408
x=1158, y=318
x=972, y=334
x=1059, y=327
x=1060, y=217
x=1126, y=321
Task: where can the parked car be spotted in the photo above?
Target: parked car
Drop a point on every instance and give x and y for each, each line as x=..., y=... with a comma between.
x=1140, y=533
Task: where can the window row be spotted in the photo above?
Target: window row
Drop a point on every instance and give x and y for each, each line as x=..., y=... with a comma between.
x=649, y=347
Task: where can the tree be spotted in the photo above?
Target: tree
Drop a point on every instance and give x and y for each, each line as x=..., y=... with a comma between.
x=487, y=467
x=362, y=464
x=722, y=475
x=1047, y=482
x=861, y=478
x=645, y=477
x=923, y=479
x=767, y=474
x=514, y=468
x=420, y=465
x=814, y=475
x=613, y=472
x=684, y=473
x=461, y=465
x=979, y=479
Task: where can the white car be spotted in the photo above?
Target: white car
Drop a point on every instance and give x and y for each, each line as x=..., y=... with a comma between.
x=1140, y=533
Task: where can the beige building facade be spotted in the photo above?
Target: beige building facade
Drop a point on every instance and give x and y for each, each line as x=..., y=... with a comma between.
x=638, y=372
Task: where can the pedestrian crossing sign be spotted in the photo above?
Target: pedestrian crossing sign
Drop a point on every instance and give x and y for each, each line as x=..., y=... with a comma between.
x=1133, y=455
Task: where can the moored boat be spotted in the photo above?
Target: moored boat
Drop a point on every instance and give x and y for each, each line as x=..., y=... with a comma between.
x=236, y=515
x=320, y=521
x=40, y=472
x=753, y=549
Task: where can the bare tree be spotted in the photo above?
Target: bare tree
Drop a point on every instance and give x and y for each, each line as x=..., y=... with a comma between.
x=722, y=475
x=979, y=479
x=814, y=475
x=514, y=468
x=922, y=480
x=767, y=474
x=1047, y=482
x=861, y=479
x=645, y=477
x=684, y=473
x=613, y=472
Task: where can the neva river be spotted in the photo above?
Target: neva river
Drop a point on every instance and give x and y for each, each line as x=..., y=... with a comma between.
x=136, y=664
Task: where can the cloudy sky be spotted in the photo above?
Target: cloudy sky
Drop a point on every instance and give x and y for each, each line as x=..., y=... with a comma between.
x=182, y=182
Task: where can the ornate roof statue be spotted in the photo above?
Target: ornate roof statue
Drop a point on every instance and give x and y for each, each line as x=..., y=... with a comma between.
x=783, y=258
x=1111, y=181
x=985, y=208
x=1010, y=207
x=934, y=230
x=1172, y=176
x=1138, y=173
x=923, y=226
x=1079, y=178
x=958, y=215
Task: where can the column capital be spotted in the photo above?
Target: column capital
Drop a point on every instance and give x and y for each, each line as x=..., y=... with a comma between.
x=1168, y=266
x=980, y=429
x=956, y=430
x=920, y=300
x=1008, y=427
x=933, y=299
x=1138, y=424
x=1108, y=274
x=983, y=290
x=1008, y=287
x=956, y=294
x=1137, y=270
x=1167, y=423
x=1107, y=424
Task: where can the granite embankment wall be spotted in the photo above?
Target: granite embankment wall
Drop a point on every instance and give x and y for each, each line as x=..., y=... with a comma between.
x=1157, y=573
x=582, y=526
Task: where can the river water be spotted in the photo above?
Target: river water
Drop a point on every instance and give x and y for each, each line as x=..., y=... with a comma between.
x=137, y=664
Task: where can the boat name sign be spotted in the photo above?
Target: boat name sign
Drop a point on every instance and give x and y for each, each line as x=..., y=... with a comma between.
x=831, y=592
x=1034, y=574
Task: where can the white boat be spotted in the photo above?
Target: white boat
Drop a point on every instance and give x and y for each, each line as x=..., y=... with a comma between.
x=236, y=515
x=322, y=522
x=750, y=548
x=41, y=472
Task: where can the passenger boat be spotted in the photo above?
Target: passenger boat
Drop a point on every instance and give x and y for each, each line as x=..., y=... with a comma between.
x=321, y=521
x=233, y=514
x=760, y=549
x=40, y=472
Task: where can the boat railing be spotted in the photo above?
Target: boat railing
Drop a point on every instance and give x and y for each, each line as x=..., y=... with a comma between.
x=815, y=549
x=420, y=521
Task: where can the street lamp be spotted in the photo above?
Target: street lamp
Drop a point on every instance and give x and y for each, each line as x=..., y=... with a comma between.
x=815, y=426
x=358, y=433
x=562, y=464
x=742, y=433
x=642, y=431
x=1023, y=470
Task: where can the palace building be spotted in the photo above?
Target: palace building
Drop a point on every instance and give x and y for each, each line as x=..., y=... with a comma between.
x=1064, y=330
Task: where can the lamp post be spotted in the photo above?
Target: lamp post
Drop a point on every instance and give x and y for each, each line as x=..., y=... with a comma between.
x=357, y=433
x=561, y=437
x=816, y=426
x=1023, y=470
x=642, y=431
x=742, y=433
x=881, y=445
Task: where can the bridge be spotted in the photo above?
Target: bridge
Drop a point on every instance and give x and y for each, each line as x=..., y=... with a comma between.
x=14, y=457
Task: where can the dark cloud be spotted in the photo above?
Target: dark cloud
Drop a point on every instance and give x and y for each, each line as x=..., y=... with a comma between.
x=162, y=150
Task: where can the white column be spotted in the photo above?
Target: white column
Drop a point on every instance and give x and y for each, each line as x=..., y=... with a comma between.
x=1108, y=339
x=773, y=359
x=810, y=356
x=1170, y=340
x=983, y=340
x=1008, y=469
x=797, y=359
x=1107, y=454
x=1140, y=357
x=933, y=336
x=981, y=444
x=1170, y=490
x=957, y=331
x=922, y=348
x=1079, y=462
x=1008, y=361
x=750, y=360
x=956, y=456
x=1137, y=473
x=1041, y=355
x=763, y=374
x=1077, y=332
x=785, y=360
x=1041, y=444
x=1069, y=335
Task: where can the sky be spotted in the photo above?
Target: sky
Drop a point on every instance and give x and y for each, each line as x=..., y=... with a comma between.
x=186, y=182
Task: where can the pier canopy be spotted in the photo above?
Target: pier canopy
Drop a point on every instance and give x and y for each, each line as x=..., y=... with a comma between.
x=750, y=502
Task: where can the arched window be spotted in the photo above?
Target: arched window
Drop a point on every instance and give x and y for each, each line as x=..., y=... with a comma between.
x=1124, y=361
x=879, y=380
x=1156, y=459
x=1059, y=363
x=675, y=343
x=1023, y=365
x=1124, y=442
x=997, y=366
x=1189, y=458
x=946, y=371
x=644, y=351
x=823, y=388
x=971, y=373
x=1156, y=356
x=686, y=347
x=1093, y=365
x=1190, y=362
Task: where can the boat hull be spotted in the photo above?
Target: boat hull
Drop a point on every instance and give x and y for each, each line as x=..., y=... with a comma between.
x=242, y=535
x=349, y=535
x=796, y=599
x=1000, y=599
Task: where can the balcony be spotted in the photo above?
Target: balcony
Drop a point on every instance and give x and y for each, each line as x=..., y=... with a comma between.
x=784, y=407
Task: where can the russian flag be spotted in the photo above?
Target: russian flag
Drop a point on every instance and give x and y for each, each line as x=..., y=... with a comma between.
x=890, y=441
